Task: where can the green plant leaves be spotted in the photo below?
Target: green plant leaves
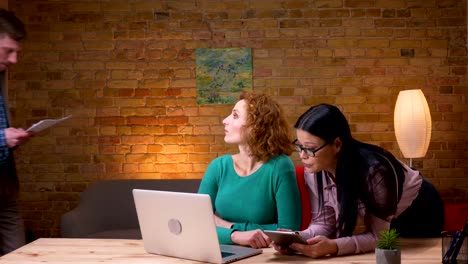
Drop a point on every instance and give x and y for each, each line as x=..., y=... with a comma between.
x=388, y=239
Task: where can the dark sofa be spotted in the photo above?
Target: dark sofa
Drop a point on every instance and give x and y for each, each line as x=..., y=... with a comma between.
x=106, y=208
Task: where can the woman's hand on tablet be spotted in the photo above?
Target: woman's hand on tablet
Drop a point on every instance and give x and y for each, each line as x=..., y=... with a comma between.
x=283, y=250
x=316, y=247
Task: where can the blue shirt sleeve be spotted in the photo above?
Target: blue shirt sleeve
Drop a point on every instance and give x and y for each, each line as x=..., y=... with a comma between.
x=4, y=150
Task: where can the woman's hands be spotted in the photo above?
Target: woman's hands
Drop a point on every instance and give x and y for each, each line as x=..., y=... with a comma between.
x=253, y=238
x=282, y=250
x=316, y=247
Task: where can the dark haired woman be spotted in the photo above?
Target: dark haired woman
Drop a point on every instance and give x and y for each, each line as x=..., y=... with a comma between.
x=348, y=179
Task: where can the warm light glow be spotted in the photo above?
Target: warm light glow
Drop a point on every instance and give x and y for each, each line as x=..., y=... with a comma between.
x=412, y=123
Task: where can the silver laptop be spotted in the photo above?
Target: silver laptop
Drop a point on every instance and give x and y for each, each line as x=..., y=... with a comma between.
x=182, y=225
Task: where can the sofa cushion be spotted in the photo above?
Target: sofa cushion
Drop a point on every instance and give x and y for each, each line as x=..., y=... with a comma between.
x=107, y=206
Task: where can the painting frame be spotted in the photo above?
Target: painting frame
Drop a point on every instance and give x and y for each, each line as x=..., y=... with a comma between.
x=222, y=74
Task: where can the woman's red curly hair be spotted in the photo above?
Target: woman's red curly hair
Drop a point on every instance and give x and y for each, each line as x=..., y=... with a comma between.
x=266, y=131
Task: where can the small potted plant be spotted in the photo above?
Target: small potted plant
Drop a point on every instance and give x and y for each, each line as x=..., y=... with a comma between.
x=388, y=247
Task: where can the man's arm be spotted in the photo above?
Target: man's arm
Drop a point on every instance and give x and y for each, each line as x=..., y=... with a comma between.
x=4, y=151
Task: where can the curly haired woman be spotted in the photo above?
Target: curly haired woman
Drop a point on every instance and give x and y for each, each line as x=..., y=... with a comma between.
x=255, y=189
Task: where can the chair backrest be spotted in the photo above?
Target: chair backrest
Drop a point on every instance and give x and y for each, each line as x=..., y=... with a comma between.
x=305, y=200
x=456, y=215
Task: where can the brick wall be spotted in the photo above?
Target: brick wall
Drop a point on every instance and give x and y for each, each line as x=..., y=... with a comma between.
x=125, y=69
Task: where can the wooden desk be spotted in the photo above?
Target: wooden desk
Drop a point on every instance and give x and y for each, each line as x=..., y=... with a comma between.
x=63, y=250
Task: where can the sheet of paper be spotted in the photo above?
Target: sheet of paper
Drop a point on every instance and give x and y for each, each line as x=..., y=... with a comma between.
x=46, y=123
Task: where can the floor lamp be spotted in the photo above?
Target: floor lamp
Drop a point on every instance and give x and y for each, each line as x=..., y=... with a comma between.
x=413, y=125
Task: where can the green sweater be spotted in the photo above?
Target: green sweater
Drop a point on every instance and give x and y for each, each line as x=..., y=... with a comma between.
x=267, y=199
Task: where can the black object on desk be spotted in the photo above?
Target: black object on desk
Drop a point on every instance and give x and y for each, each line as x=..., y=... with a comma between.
x=457, y=240
x=459, y=243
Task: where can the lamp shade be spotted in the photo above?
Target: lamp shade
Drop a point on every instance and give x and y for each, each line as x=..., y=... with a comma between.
x=413, y=124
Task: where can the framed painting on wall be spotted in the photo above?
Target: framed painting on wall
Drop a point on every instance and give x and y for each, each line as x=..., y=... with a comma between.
x=222, y=73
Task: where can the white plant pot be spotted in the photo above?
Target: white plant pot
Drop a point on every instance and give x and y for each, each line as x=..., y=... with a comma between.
x=387, y=256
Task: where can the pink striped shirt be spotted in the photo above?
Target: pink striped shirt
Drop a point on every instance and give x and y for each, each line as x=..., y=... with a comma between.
x=325, y=222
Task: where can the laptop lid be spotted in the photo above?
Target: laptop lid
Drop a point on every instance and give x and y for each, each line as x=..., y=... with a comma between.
x=182, y=225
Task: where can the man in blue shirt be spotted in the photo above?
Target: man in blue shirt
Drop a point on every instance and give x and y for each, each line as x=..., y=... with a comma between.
x=12, y=234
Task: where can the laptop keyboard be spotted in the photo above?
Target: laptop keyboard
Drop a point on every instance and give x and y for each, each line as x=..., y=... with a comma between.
x=226, y=254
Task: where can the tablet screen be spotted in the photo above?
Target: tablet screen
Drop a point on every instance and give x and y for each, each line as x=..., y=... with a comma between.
x=285, y=238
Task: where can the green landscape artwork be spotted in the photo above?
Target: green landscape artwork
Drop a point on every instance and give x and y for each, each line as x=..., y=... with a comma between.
x=222, y=73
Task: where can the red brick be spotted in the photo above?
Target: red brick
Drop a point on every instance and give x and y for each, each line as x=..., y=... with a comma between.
x=126, y=71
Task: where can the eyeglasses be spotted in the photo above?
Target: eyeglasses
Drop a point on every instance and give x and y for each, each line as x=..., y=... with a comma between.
x=308, y=151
